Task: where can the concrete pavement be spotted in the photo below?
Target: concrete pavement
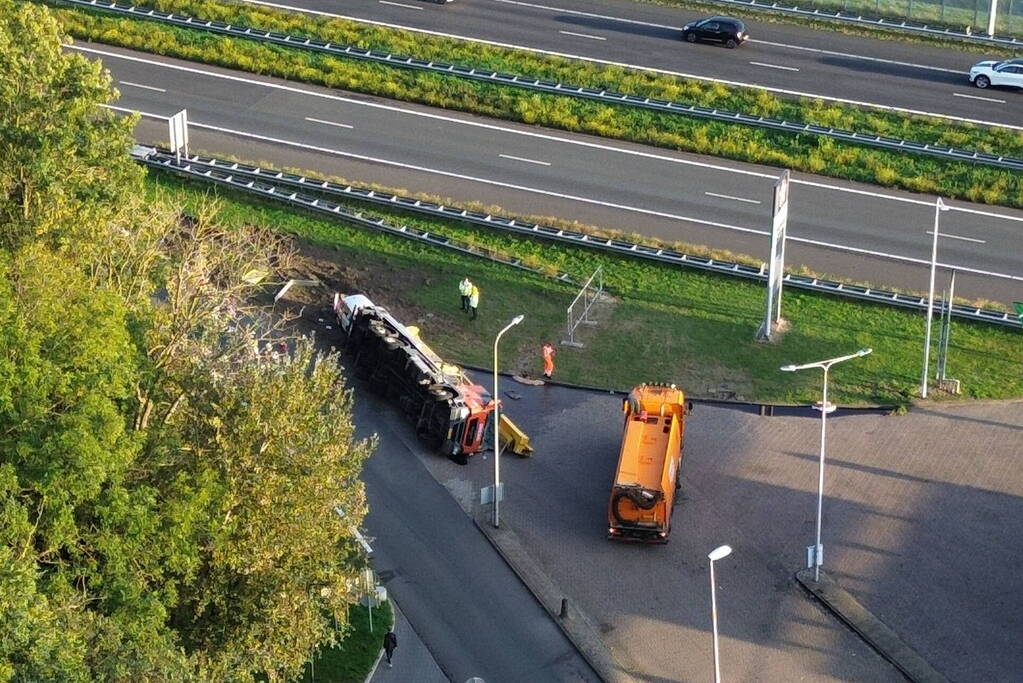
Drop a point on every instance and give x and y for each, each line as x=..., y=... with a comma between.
x=412, y=660
x=918, y=527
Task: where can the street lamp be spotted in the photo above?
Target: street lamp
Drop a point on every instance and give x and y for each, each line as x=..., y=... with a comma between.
x=718, y=553
x=497, y=426
x=939, y=206
x=818, y=550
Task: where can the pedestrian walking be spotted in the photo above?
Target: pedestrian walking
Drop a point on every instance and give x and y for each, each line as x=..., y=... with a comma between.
x=548, y=359
x=390, y=645
x=474, y=300
x=465, y=289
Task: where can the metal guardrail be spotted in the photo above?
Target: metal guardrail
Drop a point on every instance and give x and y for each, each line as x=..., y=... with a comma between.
x=552, y=87
x=242, y=175
x=880, y=22
x=238, y=181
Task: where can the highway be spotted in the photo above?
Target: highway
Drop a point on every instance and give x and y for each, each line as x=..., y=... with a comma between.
x=786, y=59
x=834, y=227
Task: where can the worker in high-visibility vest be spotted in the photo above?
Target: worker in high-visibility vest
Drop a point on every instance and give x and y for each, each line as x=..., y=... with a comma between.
x=465, y=289
x=548, y=360
x=474, y=300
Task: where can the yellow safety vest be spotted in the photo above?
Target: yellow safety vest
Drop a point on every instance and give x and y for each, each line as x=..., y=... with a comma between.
x=474, y=298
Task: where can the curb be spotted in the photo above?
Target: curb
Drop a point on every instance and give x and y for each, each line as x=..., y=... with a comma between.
x=380, y=655
x=763, y=408
x=878, y=635
x=577, y=626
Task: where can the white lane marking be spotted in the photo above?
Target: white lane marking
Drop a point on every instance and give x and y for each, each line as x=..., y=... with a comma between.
x=582, y=35
x=398, y=4
x=775, y=66
x=944, y=235
x=525, y=160
x=541, y=136
x=327, y=123
x=139, y=85
x=728, y=196
x=978, y=97
x=865, y=58
x=651, y=69
x=580, y=13
x=586, y=200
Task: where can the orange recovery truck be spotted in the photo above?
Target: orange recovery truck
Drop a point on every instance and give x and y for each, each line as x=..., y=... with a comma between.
x=648, y=480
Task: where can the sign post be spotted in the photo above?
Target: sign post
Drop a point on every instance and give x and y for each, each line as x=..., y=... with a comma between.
x=178, y=125
x=776, y=264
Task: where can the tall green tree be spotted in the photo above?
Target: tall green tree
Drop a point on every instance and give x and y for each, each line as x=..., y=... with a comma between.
x=63, y=167
x=169, y=497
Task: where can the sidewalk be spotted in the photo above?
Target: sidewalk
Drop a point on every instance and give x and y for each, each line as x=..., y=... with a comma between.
x=412, y=661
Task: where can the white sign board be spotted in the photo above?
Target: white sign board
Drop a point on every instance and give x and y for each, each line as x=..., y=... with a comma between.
x=776, y=263
x=178, y=126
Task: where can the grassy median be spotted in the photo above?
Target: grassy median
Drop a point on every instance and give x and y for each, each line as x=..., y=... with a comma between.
x=663, y=323
x=807, y=153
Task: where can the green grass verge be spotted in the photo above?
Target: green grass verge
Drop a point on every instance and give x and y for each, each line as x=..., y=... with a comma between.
x=353, y=657
x=665, y=324
x=806, y=153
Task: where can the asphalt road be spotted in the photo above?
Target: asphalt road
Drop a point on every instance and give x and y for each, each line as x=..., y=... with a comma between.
x=785, y=58
x=835, y=227
x=472, y=612
x=921, y=524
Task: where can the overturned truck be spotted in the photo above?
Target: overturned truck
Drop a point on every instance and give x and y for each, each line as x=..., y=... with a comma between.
x=449, y=411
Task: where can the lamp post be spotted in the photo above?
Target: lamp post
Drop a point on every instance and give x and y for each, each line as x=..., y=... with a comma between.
x=939, y=206
x=718, y=553
x=818, y=550
x=497, y=426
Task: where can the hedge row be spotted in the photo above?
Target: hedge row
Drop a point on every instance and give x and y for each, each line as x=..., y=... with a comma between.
x=806, y=153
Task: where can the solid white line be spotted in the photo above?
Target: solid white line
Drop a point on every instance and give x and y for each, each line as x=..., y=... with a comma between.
x=541, y=136
x=398, y=4
x=943, y=235
x=668, y=72
x=865, y=58
x=139, y=85
x=580, y=13
x=775, y=66
x=728, y=196
x=582, y=35
x=550, y=193
x=978, y=97
x=528, y=161
x=327, y=123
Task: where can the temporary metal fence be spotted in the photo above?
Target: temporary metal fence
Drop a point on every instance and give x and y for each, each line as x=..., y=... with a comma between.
x=553, y=87
x=584, y=300
x=214, y=169
x=971, y=15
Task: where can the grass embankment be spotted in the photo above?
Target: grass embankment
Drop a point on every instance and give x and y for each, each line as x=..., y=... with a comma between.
x=665, y=324
x=811, y=154
x=352, y=659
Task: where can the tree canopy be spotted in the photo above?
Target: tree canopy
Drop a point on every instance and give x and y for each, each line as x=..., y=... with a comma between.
x=168, y=496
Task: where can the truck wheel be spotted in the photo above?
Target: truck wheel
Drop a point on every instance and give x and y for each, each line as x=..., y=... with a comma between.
x=441, y=392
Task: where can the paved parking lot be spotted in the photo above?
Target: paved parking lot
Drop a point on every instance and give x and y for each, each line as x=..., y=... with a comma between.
x=923, y=518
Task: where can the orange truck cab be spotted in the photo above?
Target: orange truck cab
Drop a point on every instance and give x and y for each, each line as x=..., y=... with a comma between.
x=647, y=482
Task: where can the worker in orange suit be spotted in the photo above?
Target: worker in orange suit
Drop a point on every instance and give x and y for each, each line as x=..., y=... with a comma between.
x=548, y=360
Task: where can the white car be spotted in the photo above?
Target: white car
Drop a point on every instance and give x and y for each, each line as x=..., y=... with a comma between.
x=1009, y=72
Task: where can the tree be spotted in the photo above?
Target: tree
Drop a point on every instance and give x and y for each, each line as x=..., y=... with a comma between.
x=63, y=162
x=168, y=497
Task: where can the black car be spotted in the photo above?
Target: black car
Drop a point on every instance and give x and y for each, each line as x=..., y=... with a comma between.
x=725, y=30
